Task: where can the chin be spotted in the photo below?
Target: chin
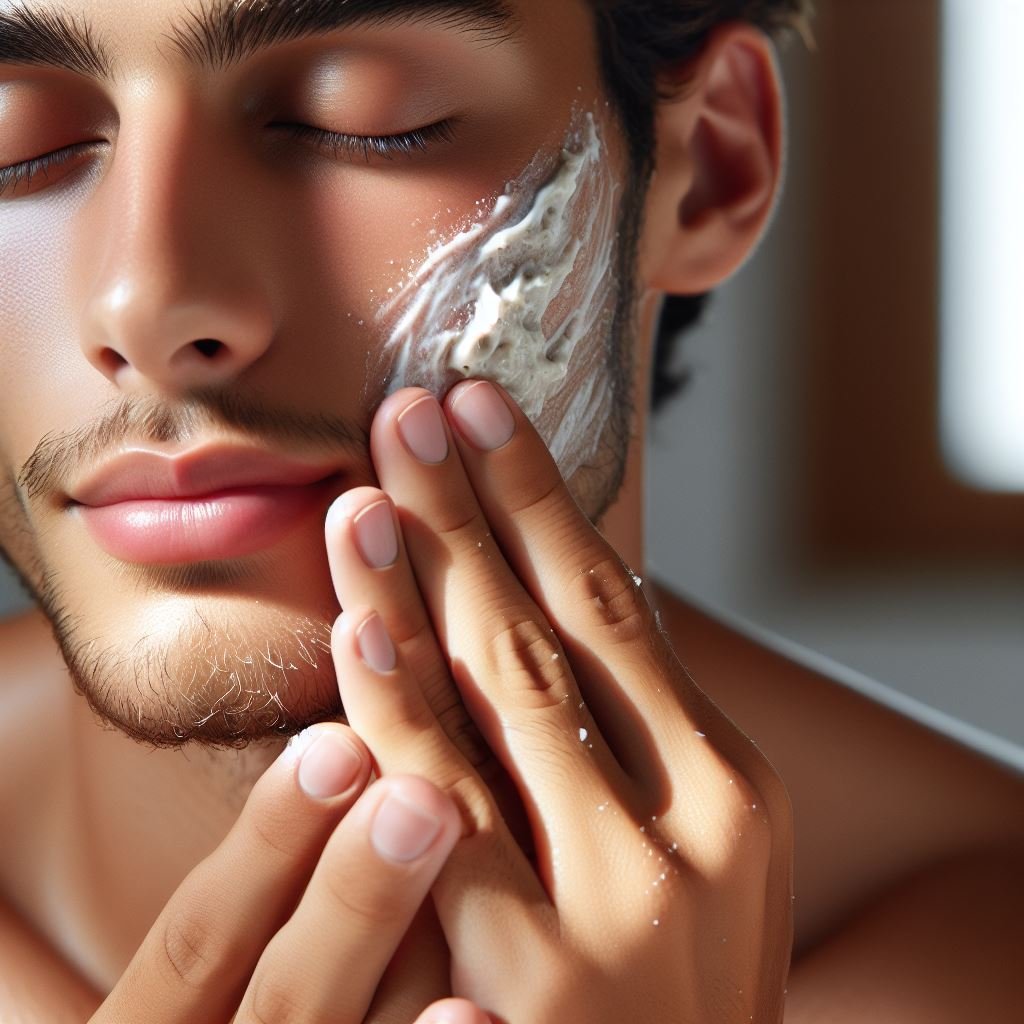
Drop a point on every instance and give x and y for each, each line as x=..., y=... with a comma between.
x=219, y=653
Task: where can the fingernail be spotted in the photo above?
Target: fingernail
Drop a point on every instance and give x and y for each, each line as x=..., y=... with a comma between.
x=422, y=430
x=461, y=1014
x=375, y=535
x=375, y=646
x=328, y=763
x=402, y=831
x=483, y=417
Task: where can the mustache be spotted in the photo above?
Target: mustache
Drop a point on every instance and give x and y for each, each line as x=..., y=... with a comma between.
x=152, y=419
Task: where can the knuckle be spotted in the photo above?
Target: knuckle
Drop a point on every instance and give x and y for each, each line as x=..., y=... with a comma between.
x=192, y=951
x=274, y=1001
x=749, y=822
x=368, y=902
x=537, y=497
x=408, y=714
x=273, y=833
x=761, y=785
x=462, y=731
x=455, y=525
x=462, y=786
x=735, y=818
x=410, y=630
x=613, y=601
x=438, y=688
x=475, y=806
x=446, y=706
x=529, y=662
x=741, y=799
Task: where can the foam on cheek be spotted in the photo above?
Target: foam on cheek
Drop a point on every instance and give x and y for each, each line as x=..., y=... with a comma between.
x=525, y=296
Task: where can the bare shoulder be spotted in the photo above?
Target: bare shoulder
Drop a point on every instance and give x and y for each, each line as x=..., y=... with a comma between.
x=876, y=794
x=36, y=984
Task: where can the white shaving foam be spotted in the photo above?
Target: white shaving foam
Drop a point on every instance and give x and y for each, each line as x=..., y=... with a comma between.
x=513, y=298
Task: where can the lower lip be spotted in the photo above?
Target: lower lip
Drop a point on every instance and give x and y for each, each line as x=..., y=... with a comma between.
x=228, y=524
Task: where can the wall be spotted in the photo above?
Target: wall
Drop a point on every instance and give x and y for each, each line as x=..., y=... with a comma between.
x=727, y=475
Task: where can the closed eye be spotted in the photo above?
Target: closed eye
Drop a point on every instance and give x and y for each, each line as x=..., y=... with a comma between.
x=388, y=147
x=18, y=178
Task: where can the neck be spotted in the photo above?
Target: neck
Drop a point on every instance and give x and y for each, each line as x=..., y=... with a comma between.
x=623, y=524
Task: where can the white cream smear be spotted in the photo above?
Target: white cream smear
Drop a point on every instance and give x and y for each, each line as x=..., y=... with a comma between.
x=524, y=296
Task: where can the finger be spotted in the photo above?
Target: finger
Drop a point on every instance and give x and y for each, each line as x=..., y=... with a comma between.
x=595, y=603
x=453, y=1011
x=419, y=972
x=507, y=661
x=374, y=873
x=693, y=766
x=370, y=569
x=390, y=712
x=197, y=958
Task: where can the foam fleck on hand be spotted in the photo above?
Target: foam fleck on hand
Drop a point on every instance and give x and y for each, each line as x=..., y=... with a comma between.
x=655, y=881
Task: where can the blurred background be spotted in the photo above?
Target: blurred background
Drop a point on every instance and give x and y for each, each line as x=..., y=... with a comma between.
x=846, y=466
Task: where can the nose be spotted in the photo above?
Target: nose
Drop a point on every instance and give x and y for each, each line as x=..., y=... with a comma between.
x=174, y=297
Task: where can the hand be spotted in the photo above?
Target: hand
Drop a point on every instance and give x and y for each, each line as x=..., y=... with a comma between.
x=294, y=917
x=660, y=887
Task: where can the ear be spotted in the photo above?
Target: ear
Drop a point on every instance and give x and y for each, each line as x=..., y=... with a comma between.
x=718, y=168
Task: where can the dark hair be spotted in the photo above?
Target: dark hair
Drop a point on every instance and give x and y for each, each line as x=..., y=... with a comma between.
x=639, y=41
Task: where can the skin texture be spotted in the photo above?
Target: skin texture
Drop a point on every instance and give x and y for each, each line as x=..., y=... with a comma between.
x=183, y=228
x=290, y=295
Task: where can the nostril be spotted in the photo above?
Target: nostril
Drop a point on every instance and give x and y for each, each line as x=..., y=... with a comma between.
x=112, y=361
x=209, y=347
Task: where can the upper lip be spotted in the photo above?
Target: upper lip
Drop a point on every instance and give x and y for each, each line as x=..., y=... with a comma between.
x=139, y=474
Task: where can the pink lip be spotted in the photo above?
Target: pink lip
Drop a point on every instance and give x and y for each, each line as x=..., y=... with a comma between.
x=206, y=504
x=228, y=524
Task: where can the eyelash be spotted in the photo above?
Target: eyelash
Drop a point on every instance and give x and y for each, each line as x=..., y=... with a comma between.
x=23, y=173
x=336, y=143
x=368, y=146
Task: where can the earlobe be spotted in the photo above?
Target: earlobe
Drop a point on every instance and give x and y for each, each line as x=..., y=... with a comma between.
x=718, y=164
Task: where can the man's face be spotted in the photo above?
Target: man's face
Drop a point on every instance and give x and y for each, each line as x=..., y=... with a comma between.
x=197, y=269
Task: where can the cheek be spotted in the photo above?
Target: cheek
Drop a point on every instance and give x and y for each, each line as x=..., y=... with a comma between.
x=347, y=254
x=35, y=320
x=525, y=296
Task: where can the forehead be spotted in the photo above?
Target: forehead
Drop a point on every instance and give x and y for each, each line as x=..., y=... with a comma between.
x=100, y=37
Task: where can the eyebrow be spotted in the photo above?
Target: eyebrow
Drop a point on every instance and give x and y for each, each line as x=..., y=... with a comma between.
x=224, y=32
x=51, y=38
